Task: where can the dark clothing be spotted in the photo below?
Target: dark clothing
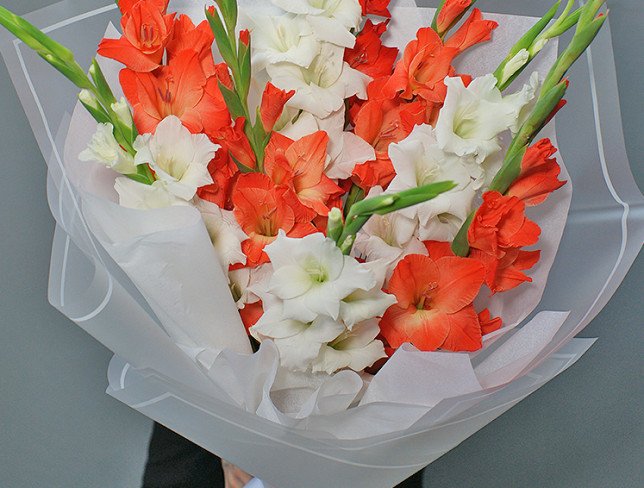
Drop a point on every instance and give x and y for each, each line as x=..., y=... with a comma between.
x=175, y=462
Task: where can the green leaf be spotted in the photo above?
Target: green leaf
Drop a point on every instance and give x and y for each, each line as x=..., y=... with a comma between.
x=233, y=103
x=221, y=38
x=105, y=93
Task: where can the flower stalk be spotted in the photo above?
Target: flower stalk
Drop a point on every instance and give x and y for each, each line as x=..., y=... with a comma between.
x=362, y=211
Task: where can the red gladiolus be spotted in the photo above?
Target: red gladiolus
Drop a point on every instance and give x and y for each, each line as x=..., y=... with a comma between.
x=488, y=323
x=146, y=32
x=273, y=101
x=251, y=313
x=500, y=223
x=369, y=55
x=473, y=31
x=235, y=141
x=299, y=165
x=539, y=175
x=434, y=309
x=244, y=37
x=126, y=6
x=422, y=69
x=380, y=123
x=498, y=231
x=181, y=89
x=449, y=13
x=375, y=7
x=187, y=36
x=224, y=173
x=262, y=209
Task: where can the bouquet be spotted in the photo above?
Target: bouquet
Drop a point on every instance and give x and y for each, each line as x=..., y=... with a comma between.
x=321, y=235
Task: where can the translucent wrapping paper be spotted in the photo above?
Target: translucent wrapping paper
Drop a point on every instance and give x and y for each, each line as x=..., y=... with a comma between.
x=189, y=368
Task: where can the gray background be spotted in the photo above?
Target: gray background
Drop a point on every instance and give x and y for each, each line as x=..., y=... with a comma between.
x=59, y=429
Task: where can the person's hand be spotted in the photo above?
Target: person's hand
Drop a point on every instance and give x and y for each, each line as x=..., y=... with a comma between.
x=233, y=476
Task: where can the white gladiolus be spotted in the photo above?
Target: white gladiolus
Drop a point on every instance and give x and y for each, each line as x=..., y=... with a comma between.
x=225, y=233
x=244, y=283
x=472, y=118
x=356, y=349
x=133, y=194
x=311, y=276
x=103, y=148
x=363, y=305
x=123, y=111
x=332, y=20
x=322, y=87
x=418, y=160
x=283, y=39
x=180, y=159
x=298, y=343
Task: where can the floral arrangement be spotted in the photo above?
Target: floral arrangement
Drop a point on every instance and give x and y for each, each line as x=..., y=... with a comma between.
x=359, y=197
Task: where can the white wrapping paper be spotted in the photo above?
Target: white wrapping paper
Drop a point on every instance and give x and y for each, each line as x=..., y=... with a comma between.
x=149, y=288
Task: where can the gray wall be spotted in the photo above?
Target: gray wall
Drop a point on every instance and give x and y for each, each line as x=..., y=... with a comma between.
x=58, y=429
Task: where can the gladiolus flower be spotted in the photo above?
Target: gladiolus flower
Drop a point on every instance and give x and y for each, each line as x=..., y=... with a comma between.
x=126, y=6
x=539, y=174
x=273, y=101
x=146, y=32
x=498, y=231
x=449, y=13
x=300, y=166
x=187, y=36
x=381, y=123
x=375, y=7
x=434, y=309
x=224, y=173
x=369, y=55
x=234, y=139
x=181, y=89
x=244, y=37
x=422, y=69
x=473, y=31
x=262, y=209
x=500, y=223
x=489, y=323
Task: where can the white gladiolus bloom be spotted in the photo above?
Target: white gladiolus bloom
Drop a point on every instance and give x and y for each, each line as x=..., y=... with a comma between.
x=356, y=349
x=332, y=20
x=298, y=343
x=345, y=149
x=103, y=148
x=418, y=160
x=311, y=276
x=244, y=282
x=362, y=305
x=472, y=118
x=283, y=39
x=122, y=109
x=322, y=87
x=225, y=233
x=388, y=238
x=180, y=159
x=133, y=194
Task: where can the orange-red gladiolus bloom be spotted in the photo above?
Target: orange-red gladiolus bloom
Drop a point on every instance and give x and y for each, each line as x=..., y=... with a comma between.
x=539, y=175
x=498, y=231
x=369, y=55
x=187, y=36
x=434, y=309
x=224, y=173
x=489, y=323
x=499, y=223
x=375, y=7
x=473, y=31
x=146, y=31
x=182, y=89
x=450, y=11
x=125, y=6
x=262, y=209
x=300, y=166
x=273, y=101
x=422, y=69
x=234, y=140
x=380, y=123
